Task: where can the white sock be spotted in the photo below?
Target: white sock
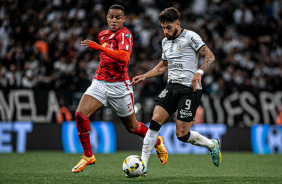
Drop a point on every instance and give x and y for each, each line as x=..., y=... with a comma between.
x=149, y=143
x=199, y=140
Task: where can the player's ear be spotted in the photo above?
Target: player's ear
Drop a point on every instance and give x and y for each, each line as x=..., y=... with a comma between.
x=124, y=18
x=178, y=23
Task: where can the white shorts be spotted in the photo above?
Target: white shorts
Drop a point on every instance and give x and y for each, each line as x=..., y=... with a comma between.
x=119, y=95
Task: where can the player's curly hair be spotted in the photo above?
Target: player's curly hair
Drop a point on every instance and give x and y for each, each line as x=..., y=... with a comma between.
x=116, y=6
x=169, y=15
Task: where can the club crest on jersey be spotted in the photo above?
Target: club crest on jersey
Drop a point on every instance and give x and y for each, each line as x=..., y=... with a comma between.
x=178, y=45
x=112, y=36
x=163, y=93
x=126, y=35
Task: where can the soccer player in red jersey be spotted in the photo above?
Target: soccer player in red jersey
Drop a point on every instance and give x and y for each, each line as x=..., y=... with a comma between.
x=110, y=86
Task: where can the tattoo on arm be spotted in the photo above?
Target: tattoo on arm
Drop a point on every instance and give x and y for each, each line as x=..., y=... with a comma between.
x=209, y=58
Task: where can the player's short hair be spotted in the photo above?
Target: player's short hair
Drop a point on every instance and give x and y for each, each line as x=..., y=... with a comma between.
x=116, y=6
x=169, y=15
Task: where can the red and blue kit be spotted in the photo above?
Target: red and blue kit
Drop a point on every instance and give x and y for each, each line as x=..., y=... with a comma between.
x=111, y=69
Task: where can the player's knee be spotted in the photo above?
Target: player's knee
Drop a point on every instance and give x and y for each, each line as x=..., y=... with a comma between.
x=130, y=129
x=157, y=119
x=183, y=138
x=80, y=116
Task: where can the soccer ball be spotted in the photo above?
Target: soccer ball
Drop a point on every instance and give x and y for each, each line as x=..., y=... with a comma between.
x=133, y=166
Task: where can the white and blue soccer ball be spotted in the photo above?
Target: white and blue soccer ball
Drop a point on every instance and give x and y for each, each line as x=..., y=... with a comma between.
x=133, y=166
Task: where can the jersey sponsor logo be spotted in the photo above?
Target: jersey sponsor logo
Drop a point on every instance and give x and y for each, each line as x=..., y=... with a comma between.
x=174, y=58
x=112, y=36
x=185, y=113
x=163, y=93
x=195, y=42
x=175, y=65
x=126, y=35
x=179, y=46
x=176, y=80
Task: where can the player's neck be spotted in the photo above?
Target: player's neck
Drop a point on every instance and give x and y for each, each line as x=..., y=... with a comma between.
x=116, y=30
x=178, y=33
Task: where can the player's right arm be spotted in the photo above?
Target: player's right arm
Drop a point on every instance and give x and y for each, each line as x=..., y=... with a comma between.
x=161, y=68
x=120, y=55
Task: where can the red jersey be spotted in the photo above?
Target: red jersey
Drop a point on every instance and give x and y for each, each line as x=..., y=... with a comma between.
x=110, y=69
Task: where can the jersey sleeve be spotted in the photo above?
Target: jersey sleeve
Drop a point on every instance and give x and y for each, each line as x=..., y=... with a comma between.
x=163, y=53
x=195, y=41
x=125, y=41
x=99, y=38
x=163, y=56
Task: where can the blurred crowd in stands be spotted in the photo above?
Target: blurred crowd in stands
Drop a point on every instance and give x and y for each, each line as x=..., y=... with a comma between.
x=40, y=42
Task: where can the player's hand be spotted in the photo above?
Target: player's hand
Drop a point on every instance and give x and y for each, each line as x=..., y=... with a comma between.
x=85, y=43
x=196, y=79
x=137, y=79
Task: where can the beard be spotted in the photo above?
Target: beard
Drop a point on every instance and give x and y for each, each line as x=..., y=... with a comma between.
x=173, y=35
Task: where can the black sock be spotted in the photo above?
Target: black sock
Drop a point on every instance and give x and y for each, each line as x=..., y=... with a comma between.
x=185, y=137
x=155, y=126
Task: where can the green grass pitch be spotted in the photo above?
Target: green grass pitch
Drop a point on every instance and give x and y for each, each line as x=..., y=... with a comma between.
x=55, y=167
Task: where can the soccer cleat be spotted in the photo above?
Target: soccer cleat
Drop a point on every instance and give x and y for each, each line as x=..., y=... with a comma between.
x=215, y=152
x=161, y=151
x=83, y=162
x=145, y=171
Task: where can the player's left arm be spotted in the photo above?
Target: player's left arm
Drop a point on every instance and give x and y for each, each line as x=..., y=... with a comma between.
x=208, y=61
x=120, y=55
x=208, y=58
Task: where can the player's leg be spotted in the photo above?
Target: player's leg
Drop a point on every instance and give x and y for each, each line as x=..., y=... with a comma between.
x=165, y=107
x=184, y=134
x=88, y=104
x=138, y=128
x=188, y=105
x=121, y=100
x=160, y=115
x=135, y=127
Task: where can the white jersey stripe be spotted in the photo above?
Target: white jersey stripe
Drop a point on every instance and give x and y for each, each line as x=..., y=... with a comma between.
x=122, y=42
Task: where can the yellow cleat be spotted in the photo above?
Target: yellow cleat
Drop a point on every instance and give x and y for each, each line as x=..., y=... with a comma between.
x=161, y=151
x=83, y=162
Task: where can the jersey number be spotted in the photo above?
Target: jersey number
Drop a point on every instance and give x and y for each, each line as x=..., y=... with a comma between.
x=188, y=103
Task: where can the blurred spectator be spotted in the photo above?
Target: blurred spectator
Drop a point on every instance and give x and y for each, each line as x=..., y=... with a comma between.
x=64, y=113
x=40, y=43
x=29, y=80
x=279, y=117
x=243, y=15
